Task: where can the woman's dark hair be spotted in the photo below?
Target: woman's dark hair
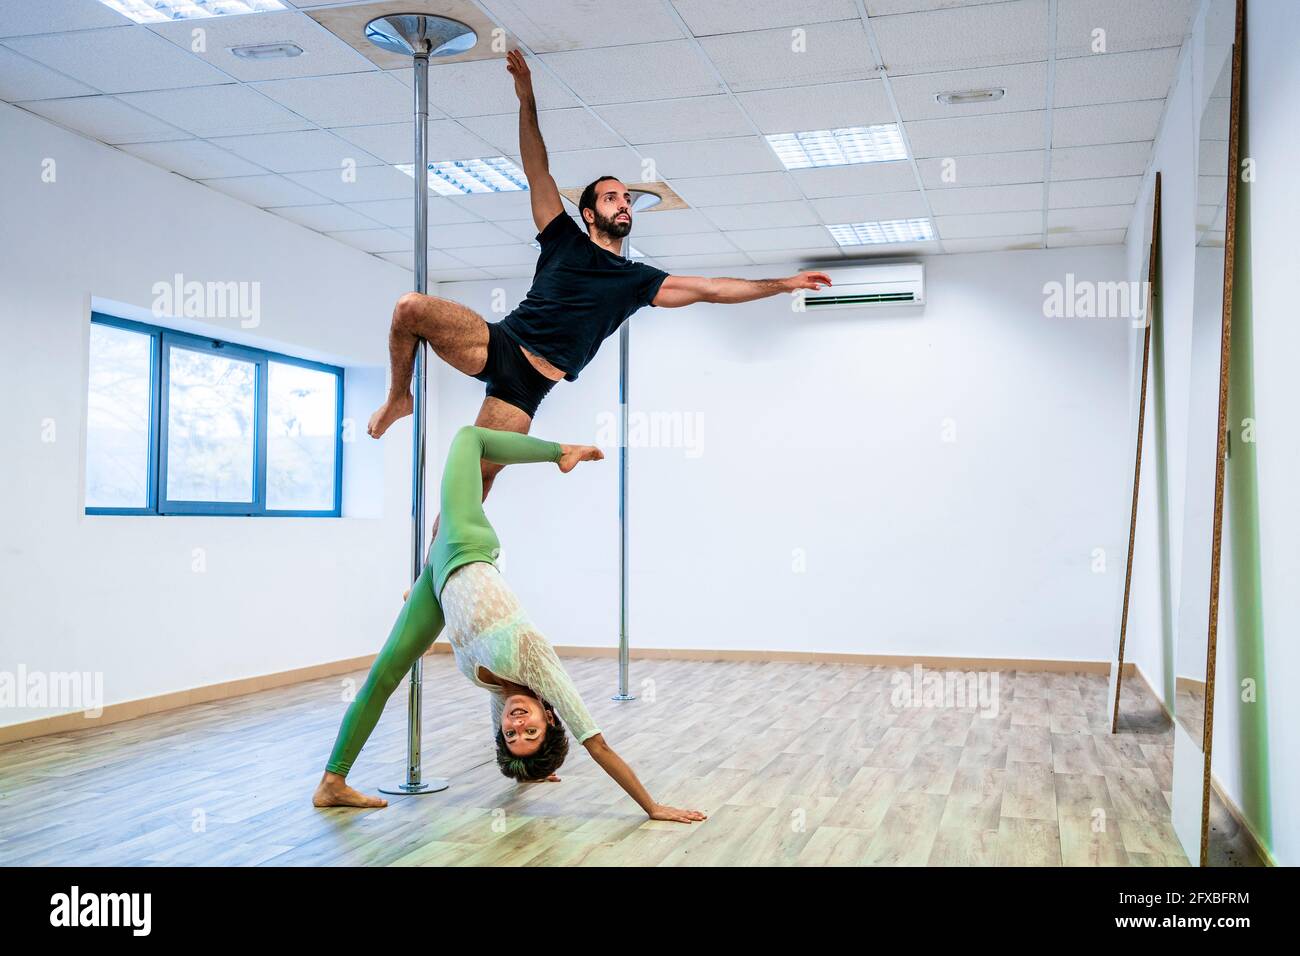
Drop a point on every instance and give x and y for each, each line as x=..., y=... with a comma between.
x=588, y=198
x=547, y=759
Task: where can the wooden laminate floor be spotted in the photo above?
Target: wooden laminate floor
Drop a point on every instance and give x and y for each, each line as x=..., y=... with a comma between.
x=796, y=764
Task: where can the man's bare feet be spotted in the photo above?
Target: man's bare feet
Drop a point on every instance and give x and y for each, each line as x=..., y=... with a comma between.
x=570, y=455
x=389, y=412
x=333, y=791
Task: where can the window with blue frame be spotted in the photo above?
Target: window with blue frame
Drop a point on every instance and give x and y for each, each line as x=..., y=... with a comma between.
x=181, y=424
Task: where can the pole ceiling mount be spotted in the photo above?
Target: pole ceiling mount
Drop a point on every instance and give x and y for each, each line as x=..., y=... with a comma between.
x=421, y=34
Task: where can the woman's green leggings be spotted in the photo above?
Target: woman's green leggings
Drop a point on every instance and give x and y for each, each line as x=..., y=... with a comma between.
x=416, y=628
x=464, y=535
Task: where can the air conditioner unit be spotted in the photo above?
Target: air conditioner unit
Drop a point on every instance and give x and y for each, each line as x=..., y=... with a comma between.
x=871, y=286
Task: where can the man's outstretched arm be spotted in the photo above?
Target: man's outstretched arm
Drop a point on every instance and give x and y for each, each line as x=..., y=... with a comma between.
x=677, y=291
x=542, y=192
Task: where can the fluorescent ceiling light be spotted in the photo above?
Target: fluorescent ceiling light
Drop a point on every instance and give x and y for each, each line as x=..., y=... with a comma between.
x=968, y=97
x=267, y=51
x=839, y=147
x=160, y=11
x=460, y=177
x=889, y=230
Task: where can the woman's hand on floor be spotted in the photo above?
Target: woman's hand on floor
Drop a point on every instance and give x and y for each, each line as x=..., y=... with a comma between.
x=661, y=812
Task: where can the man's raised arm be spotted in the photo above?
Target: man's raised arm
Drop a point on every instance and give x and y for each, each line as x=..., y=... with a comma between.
x=542, y=192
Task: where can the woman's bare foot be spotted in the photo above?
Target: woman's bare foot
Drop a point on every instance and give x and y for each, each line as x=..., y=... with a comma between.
x=389, y=412
x=333, y=791
x=570, y=455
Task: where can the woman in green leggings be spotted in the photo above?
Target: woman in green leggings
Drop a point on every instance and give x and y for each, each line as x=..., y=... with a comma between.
x=495, y=645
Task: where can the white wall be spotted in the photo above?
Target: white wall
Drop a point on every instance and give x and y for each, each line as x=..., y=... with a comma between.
x=1251, y=759
x=823, y=435
x=117, y=594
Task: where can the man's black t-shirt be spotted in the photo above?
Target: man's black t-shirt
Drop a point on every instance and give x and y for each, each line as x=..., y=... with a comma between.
x=581, y=293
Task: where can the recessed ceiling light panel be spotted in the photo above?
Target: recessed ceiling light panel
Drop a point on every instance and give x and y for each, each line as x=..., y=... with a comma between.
x=160, y=11
x=839, y=147
x=460, y=177
x=888, y=230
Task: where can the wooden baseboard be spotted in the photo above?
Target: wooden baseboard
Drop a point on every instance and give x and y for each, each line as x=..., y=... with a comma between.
x=129, y=710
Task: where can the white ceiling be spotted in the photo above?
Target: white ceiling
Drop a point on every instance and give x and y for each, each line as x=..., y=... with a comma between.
x=687, y=86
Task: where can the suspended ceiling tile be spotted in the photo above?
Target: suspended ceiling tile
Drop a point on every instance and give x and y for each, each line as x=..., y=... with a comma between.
x=981, y=199
x=978, y=134
x=323, y=53
x=483, y=88
x=548, y=26
x=119, y=60
x=887, y=8
x=643, y=71
x=525, y=230
x=661, y=121
x=989, y=224
x=712, y=157
x=762, y=215
x=798, y=258
x=24, y=79
x=993, y=169
x=364, y=184
x=23, y=17
x=373, y=240
x=857, y=255
x=687, y=244
x=1114, y=191
x=669, y=222
x=401, y=212
x=1025, y=85
x=508, y=272
x=768, y=59
x=877, y=208
x=562, y=129
x=1088, y=218
x=496, y=206
x=266, y=191
x=1124, y=25
x=855, y=179
x=963, y=37
x=194, y=158
x=394, y=143
x=688, y=265
x=348, y=99
x=464, y=234
x=1115, y=77
x=507, y=254
x=1109, y=123
x=229, y=110
x=1105, y=237
x=458, y=275
x=297, y=152
x=105, y=118
x=708, y=17
x=859, y=103
x=995, y=244
x=330, y=217
x=729, y=190
x=791, y=237
x=580, y=166
x=1100, y=162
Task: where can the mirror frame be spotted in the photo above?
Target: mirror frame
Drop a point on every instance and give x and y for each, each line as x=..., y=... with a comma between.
x=1221, y=460
x=1153, y=286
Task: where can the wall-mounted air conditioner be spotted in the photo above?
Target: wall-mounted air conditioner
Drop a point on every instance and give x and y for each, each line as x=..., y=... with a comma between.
x=870, y=286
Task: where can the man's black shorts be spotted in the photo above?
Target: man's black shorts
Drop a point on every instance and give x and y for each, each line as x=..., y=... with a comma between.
x=509, y=375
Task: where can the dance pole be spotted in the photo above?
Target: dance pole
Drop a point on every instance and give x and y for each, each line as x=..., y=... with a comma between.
x=421, y=37
x=622, y=501
x=642, y=200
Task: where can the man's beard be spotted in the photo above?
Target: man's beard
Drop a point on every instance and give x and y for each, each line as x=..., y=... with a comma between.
x=612, y=227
